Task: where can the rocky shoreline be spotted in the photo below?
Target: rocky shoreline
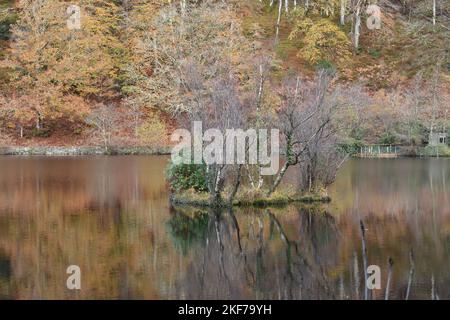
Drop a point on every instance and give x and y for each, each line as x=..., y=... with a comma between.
x=82, y=151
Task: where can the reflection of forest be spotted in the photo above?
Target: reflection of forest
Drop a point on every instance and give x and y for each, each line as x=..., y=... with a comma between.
x=404, y=204
x=111, y=217
x=97, y=214
x=304, y=253
x=71, y=184
x=263, y=255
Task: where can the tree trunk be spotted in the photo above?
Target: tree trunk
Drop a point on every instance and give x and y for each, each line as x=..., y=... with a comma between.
x=434, y=12
x=236, y=185
x=261, y=87
x=38, y=122
x=342, y=14
x=136, y=126
x=357, y=27
x=215, y=186
x=278, y=21
x=278, y=178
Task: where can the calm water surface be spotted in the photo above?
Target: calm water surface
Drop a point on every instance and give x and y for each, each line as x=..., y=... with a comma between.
x=111, y=217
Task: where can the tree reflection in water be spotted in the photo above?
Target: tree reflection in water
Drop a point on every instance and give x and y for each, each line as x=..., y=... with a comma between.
x=255, y=255
x=111, y=216
x=5, y=275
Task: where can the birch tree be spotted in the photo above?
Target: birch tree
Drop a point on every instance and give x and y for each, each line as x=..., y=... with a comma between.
x=343, y=4
x=218, y=107
x=300, y=105
x=357, y=9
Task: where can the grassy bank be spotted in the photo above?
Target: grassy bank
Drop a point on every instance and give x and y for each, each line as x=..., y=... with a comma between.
x=248, y=198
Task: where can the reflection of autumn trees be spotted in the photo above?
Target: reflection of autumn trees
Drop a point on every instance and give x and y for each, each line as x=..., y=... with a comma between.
x=71, y=184
x=293, y=253
x=259, y=254
x=109, y=245
x=101, y=215
x=5, y=275
x=112, y=218
x=403, y=207
x=396, y=236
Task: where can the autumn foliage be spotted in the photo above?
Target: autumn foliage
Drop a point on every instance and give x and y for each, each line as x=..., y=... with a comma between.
x=131, y=54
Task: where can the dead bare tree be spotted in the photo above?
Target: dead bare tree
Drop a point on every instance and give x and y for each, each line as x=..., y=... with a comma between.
x=414, y=100
x=218, y=106
x=258, y=108
x=320, y=162
x=305, y=122
x=322, y=158
x=135, y=112
x=104, y=121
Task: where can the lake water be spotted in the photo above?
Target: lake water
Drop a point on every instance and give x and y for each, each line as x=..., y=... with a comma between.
x=111, y=217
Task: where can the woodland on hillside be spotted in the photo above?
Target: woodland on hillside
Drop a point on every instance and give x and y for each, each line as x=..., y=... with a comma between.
x=136, y=69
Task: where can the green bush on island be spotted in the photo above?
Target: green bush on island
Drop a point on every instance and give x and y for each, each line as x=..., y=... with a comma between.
x=187, y=176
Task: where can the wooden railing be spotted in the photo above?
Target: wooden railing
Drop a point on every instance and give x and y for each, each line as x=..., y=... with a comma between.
x=378, y=151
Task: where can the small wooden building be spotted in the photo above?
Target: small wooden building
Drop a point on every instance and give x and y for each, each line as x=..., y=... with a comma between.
x=438, y=139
